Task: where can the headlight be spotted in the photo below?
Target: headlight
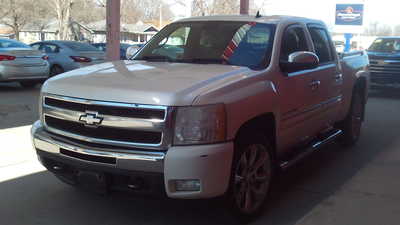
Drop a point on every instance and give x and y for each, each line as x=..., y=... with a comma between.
x=200, y=124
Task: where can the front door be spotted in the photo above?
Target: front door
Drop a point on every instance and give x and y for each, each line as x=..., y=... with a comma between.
x=298, y=92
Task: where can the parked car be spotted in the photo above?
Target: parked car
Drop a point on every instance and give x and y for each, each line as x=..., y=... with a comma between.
x=19, y=62
x=384, y=55
x=216, y=118
x=69, y=55
x=124, y=48
x=339, y=45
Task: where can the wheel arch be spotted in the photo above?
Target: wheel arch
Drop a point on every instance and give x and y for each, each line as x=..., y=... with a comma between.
x=56, y=64
x=266, y=123
x=361, y=85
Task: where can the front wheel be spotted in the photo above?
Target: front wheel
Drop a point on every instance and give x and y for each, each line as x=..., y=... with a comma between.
x=252, y=172
x=55, y=70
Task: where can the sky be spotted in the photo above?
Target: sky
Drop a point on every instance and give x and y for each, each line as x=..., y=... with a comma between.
x=383, y=11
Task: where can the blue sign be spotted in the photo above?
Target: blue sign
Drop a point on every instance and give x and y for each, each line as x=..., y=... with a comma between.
x=349, y=14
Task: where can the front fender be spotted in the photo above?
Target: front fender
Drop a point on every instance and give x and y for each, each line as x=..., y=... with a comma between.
x=244, y=101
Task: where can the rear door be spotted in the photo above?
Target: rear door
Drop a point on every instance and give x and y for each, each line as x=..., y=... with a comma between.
x=52, y=51
x=328, y=76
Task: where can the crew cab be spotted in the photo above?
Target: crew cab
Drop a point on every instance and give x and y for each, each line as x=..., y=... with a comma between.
x=384, y=55
x=211, y=106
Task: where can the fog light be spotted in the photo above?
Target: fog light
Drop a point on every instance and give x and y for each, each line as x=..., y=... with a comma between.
x=187, y=185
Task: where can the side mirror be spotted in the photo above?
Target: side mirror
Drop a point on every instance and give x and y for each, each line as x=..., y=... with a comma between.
x=298, y=61
x=131, y=51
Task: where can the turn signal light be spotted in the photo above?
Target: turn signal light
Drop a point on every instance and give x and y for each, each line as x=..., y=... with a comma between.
x=45, y=57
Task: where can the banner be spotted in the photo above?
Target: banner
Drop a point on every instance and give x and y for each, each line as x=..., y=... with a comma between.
x=349, y=14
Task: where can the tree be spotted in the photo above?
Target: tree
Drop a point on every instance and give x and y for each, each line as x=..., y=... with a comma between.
x=384, y=30
x=146, y=10
x=18, y=14
x=215, y=7
x=377, y=29
x=201, y=8
x=42, y=15
x=85, y=11
x=62, y=9
x=396, y=30
x=131, y=11
x=227, y=7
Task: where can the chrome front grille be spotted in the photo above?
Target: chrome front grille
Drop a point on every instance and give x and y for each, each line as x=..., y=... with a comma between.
x=385, y=70
x=108, y=123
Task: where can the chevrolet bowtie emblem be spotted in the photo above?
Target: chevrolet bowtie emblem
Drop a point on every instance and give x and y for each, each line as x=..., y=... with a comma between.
x=91, y=119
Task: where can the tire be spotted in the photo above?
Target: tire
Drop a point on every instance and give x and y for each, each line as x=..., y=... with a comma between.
x=251, y=177
x=55, y=70
x=30, y=84
x=351, y=126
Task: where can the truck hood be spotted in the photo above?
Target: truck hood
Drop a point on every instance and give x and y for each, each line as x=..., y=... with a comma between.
x=141, y=82
x=383, y=55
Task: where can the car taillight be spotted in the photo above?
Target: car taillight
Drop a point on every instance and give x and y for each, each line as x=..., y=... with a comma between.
x=45, y=57
x=81, y=59
x=6, y=57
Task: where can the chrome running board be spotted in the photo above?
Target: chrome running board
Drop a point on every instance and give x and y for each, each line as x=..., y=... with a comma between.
x=310, y=149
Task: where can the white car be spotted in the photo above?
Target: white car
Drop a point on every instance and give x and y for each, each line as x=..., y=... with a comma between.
x=19, y=62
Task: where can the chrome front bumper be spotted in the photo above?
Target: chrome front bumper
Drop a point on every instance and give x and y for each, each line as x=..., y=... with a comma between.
x=209, y=164
x=133, y=160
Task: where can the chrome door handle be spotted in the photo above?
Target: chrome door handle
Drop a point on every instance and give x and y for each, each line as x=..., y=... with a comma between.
x=315, y=84
x=338, y=77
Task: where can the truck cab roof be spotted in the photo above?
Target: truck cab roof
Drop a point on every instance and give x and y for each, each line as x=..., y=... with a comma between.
x=273, y=19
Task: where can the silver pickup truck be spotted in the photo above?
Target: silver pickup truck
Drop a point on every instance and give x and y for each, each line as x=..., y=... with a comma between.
x=211, y=106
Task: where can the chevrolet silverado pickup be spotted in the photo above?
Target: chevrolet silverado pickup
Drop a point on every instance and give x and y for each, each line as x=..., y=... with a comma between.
x=384, y=56
x=210, y=107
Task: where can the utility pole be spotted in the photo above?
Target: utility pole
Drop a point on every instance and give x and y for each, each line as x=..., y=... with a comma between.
x=113, y=29
x=244, y=7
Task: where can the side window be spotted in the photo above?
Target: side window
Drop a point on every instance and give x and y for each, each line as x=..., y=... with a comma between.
x=320, y=39
x=49, y=48
x=294, y=40
x=36, y=46
x=101, y=47
x=173, y=46
x=177, y=38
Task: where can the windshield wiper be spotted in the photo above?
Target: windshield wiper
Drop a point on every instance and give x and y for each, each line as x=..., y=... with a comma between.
x=156, y=58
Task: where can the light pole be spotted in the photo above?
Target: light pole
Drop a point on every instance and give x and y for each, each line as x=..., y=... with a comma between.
x=113, y=29
x=244, y=7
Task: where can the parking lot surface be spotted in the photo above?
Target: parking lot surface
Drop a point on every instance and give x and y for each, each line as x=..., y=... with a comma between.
x=340, y=186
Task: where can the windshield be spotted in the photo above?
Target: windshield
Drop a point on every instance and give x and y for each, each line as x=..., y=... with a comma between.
x=232, y=43
x=12, y=44
x=385, y=45
x=79, y=46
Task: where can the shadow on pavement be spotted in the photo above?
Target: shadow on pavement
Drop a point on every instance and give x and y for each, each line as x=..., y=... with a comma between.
x=42, y=199
x=18, y=105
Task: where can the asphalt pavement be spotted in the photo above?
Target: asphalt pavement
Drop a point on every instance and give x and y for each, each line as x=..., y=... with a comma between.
x=336, y=186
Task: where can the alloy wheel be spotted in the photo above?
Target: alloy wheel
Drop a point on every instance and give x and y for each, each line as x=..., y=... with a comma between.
x=252, y=178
